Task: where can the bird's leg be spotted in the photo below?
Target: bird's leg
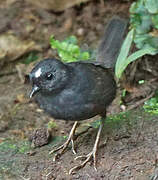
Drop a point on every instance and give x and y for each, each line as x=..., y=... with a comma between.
x=65, y=145
x=92, y=154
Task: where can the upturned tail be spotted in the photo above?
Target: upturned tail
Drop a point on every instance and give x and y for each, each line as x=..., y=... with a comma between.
x=111, y=42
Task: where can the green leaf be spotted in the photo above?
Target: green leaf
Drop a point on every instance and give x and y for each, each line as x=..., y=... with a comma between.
x=85, y=55
x=155, y=20
x=138, y=8
x=141, y=81
x=139, y=54
x=68, y=50
x=151, y=105
x=121, y=60
x=152, y=6
x=141, y=40
x=144, y=19
x=145, y=25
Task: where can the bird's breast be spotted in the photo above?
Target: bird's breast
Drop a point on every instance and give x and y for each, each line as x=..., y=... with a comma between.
x=67, y=106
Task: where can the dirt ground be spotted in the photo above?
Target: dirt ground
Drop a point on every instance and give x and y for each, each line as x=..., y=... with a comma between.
x=129, y=143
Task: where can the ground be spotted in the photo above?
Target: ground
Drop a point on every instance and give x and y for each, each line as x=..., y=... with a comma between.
x=129, y=142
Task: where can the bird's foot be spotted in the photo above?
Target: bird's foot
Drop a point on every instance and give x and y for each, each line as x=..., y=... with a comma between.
x=66, y=144
x=92, y=154
x=63, y=148
x=88, y=157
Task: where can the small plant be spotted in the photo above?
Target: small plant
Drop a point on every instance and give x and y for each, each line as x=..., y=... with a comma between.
x=51, y=125
x=144, y=33
x=68, y=50
x=141, y=81
x=124, y=92
x=151, y=106
x=144, y=19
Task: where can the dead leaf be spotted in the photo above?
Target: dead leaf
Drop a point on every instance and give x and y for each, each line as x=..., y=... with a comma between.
x=56, y=5
x=6, y=3
x=21, y=99
x=11, y=47
x=154, y=33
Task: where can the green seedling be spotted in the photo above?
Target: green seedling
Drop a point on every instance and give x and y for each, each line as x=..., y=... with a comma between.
x=68, y=50
x=141, y=81
x=151, y=106
x=51, y=125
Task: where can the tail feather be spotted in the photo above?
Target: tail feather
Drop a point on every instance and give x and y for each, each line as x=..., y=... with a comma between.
x=111, y=42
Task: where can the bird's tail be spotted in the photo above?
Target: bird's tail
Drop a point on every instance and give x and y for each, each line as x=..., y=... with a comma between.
x=111, y=42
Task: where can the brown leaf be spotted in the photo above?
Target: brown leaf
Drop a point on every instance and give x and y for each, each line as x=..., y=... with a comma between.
x=56, y=5
x=11, y=47
x=21, y=99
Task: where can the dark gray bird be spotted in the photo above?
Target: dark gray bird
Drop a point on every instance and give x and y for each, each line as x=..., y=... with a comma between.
x=79, y=90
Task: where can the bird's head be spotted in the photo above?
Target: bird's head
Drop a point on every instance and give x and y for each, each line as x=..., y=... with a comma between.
x=47, y=76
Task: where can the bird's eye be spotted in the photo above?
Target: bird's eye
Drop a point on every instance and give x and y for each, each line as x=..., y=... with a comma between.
x=49, y=76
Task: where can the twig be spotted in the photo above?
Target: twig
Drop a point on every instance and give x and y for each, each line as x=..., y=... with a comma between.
x=140, y=102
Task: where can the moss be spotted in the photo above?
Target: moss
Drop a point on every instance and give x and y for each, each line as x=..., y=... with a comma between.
x=151, y=106
x=14, y=147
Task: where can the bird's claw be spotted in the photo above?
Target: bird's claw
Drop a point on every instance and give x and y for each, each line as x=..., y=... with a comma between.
x=56, y=156
x=83, y=157
x=57, y=149
x=62, y=148
x=65, y=145
x=88, y=157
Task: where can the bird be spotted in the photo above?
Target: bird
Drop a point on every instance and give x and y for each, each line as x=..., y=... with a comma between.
x=77, y=91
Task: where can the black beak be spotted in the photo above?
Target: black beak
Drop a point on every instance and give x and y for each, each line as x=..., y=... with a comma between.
x=34, y=90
